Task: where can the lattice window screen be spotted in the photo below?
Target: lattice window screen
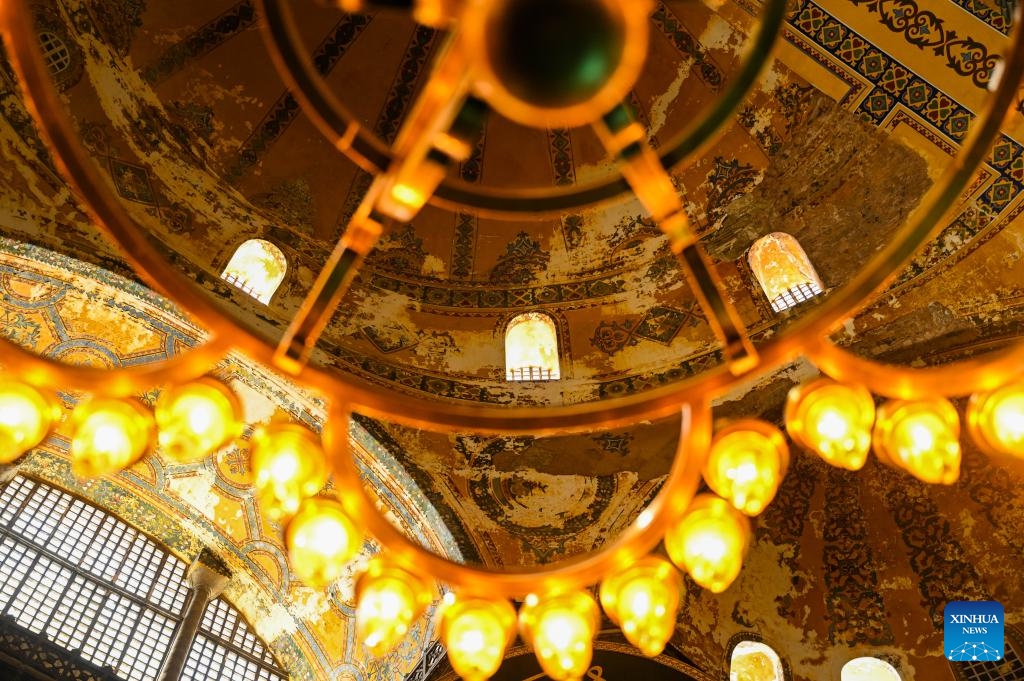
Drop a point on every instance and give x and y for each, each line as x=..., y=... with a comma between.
x=1011, y=668
x=91, y=583
x=226, y=643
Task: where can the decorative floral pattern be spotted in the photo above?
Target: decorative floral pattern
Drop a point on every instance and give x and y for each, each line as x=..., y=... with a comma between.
x=522, y=261
x=926, y=30
x=856, y=610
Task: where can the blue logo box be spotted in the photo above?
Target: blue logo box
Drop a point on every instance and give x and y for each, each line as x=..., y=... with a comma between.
x=973, y=631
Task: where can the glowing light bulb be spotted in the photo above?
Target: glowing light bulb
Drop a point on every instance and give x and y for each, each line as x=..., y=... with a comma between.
x=921, y=437
x=561, y=629
x=108, y=435
x=321, y=539
x=996, y=420
x=644, y=600
x=26, y=415
x=388, y=601
x=833, y=420
x=197, y=419
x=289, y=465
x=709, y=542
x=476, y=632
x=746, y=464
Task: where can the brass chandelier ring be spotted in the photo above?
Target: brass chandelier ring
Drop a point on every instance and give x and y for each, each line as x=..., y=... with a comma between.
x=45, y=106
x=578, y=572
x=371, y=154
x=964, y=377
x=117, y=381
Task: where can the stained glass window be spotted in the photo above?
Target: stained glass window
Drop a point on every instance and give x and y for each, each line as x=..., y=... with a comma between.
x=258, y=268
x=531, y=348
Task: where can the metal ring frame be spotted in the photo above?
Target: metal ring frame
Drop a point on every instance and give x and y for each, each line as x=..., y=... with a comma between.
x=371, y=154
x=106, y=211
x=578, y=572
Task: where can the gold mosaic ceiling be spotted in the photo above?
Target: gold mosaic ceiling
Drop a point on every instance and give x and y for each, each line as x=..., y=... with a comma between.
x=179, y=103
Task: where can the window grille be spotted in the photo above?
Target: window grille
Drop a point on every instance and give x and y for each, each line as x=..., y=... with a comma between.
x=792, y=297
x=1010, y=668
x=56, y=55
x=530, y=374
x=783, y=270
x=531, y=348
x=91, y=583
x=225, y=643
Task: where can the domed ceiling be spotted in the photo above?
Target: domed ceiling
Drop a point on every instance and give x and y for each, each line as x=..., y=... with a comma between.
x=856, y=118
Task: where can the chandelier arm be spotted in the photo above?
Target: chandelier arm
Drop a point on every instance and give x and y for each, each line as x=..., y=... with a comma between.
x=368, y=151
x=639, y=539
x=415, y=411
x=908, y=383
x=115, y=382
x=435, y=135
x=625, y=139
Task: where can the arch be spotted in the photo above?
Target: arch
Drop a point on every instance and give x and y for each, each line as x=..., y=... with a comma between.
x=783, y=270
x=755, y=661
x=869, y=669
x=258, y=268
x=91, y=583
x=531, y=348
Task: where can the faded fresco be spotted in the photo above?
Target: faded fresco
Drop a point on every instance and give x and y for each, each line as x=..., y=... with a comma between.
x=862, y=109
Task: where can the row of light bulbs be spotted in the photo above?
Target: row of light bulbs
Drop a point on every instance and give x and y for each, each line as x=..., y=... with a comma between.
x=744, y=468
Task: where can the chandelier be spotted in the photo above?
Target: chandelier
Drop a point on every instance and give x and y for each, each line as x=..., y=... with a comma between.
x=539, y=63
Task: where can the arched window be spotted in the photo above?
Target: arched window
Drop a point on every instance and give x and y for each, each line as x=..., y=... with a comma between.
x=531, y=348
x=784, y=271
x=56, y=55
x=258, y=268
x=869, y=669
x=91, y=583
x=754, y=661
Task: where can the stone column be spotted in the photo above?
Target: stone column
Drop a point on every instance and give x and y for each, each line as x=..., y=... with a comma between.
x=207, y=577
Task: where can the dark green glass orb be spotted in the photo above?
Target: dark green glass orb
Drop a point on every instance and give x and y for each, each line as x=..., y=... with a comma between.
x=554, y=53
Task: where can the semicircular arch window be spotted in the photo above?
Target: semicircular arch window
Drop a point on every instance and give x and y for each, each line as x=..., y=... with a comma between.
x=783, y=270
x=755, y=661
x=90, y=583
x=869, y=669
x=258, y=268
x=531, y=348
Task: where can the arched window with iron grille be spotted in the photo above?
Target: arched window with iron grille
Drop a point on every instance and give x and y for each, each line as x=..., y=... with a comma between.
x=258, y=268
x=783, y=270
x=531, y=348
